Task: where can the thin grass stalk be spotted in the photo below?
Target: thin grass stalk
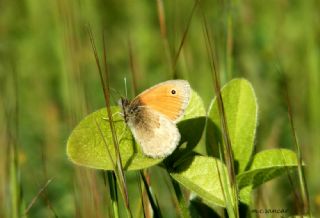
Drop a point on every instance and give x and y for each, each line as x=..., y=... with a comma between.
x=4, y=157
x=185, y=33
x=111, y=182
x=141, y=195
x=173, y=58
x=44, y=193
x=122, y=177
x=14, y=187
x=301, y=174
x=106, y=91
x=229, y=42
x=228, y=155
x=174, y=199
x=35, y=198
x=110, y=211
x=182, y=202
x=144, y=172
x=105, y=143
x=15, y=172
x=164, y=36
x=298, y=200
x=223, y=179
x=113, y=193
x=222, y=185
x=12, y=134
x=153, y=203
x=162, y=19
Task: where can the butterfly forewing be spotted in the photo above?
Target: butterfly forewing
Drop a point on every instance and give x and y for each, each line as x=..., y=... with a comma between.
x=169, y=98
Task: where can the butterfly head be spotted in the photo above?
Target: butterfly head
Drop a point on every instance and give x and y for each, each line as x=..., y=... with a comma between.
x=130, y=109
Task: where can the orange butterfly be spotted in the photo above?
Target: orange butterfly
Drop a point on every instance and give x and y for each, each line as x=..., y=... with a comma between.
x=152, y=116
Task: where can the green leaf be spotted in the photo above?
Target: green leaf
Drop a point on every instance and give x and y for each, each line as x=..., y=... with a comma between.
x=191, y=129
x=267, y=165
x=192, y=126
x=245, y=195
x=86, y=145
x=201, y=175
x=198, y=209
x=240, y=106
x=195, y=107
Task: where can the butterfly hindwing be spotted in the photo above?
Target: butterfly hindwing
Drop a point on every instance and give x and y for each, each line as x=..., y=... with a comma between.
x=157, y=135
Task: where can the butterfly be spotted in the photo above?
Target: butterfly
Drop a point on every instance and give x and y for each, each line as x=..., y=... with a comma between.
x=153, y=114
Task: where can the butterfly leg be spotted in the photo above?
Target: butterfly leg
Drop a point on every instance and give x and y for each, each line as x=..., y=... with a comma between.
x=117, y=113
x=124, y=124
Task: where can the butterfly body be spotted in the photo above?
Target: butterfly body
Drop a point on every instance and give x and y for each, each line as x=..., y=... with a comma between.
x=153, y=114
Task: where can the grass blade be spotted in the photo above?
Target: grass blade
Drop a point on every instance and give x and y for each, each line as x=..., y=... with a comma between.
x=153, y=203
x=113, y=193
x=227, y=149
x=34, y=199
x=182, y=202
x=119, y=173
x=301, y=174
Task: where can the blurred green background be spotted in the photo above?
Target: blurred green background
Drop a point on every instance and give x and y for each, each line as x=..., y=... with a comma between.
x=49, y=82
